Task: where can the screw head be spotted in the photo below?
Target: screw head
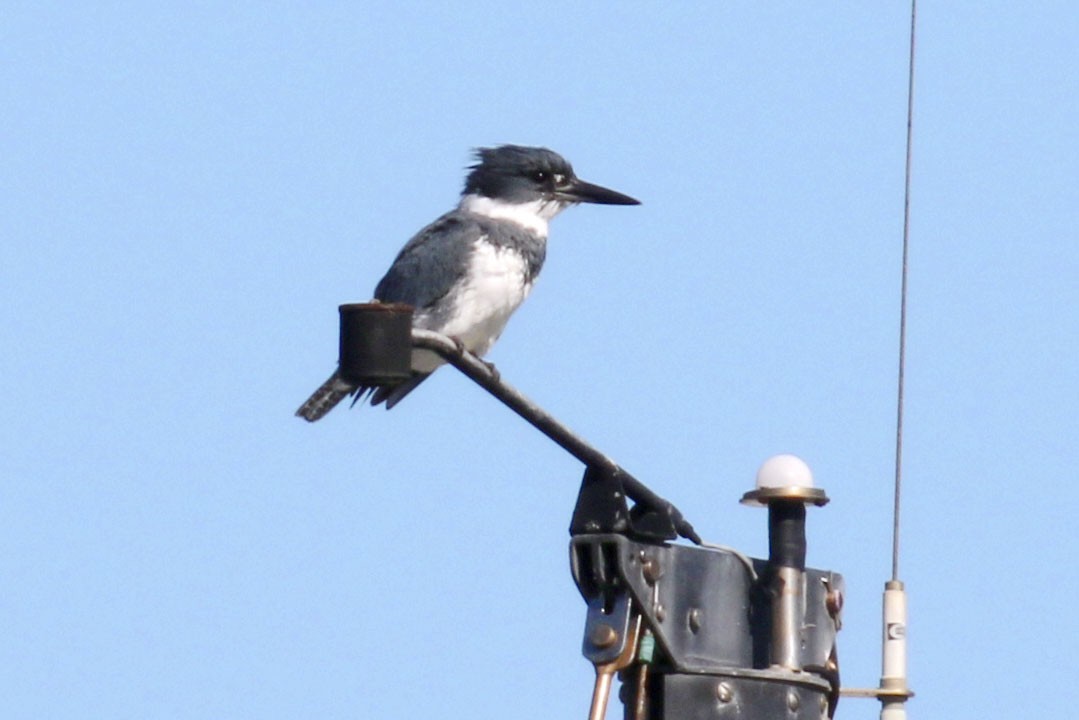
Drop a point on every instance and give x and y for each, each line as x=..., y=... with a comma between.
x=793, y=703
x=603, y=636
x=651, y=571
x=724, y=693
x=833, y=600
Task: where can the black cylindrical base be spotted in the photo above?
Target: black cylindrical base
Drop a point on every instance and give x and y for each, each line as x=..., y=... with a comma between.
x=787, y=534
x=376, y=343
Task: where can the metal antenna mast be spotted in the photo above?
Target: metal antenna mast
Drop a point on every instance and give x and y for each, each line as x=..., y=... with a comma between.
x=903, y=303
x=894, y=691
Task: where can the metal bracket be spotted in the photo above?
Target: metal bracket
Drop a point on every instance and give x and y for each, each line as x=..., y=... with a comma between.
x=705, y=608
x=601, y=508
x=606, y=628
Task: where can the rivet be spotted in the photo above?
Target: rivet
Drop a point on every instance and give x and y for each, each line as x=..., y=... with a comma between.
x=603, y=636
x=833, y=600
x=694, y=620
x=792, y=701
x=651, y=570
x=661, y=613
x=724, y=693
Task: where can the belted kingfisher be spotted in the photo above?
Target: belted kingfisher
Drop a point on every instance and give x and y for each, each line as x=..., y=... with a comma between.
x=467, y=272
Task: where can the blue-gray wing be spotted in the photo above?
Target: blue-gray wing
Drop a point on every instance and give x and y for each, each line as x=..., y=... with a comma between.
x=431, y=263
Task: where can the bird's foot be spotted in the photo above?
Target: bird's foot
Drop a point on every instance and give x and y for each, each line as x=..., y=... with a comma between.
x=495, y=375
x=461, y=349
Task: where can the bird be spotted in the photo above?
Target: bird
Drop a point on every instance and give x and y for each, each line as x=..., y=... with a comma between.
x=469, y=270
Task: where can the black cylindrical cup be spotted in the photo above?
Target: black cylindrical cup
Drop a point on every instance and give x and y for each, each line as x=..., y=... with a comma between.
x=375, y=343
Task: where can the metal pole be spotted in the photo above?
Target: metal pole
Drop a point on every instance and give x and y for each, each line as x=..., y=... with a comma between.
x=482, y=374
x=787, y=562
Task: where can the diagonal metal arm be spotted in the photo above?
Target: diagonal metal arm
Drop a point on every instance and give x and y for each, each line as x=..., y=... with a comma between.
x=480, y=373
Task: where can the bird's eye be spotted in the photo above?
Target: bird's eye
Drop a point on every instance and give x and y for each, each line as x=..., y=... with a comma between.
x=540, y=176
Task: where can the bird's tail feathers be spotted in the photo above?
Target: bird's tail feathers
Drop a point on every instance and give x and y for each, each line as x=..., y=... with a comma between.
x=360, y=394
x=395, y=394
x=336, y=389
x=325, y=398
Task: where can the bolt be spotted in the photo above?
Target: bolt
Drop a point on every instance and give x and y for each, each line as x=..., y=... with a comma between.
x=694, y=620
x=603, y=636
x=724, y=693
x=651, y=570
x=792, y=701
x=834, y=602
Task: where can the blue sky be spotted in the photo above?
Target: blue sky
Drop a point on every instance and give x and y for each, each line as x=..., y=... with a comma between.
x=188, y=191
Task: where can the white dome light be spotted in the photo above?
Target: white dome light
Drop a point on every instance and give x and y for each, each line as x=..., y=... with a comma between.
x=784, y=477
x=784, y=471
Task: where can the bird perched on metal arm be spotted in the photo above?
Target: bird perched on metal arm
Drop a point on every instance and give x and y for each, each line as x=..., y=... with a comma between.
x=467, y=272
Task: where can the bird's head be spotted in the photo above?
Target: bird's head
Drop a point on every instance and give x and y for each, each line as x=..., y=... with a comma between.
x=514, y=174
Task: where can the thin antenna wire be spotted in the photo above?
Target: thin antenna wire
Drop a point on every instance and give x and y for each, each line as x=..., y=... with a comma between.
x=903, y=303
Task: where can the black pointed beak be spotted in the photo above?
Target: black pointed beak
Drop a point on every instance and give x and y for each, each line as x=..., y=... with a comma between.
x=580, y=191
